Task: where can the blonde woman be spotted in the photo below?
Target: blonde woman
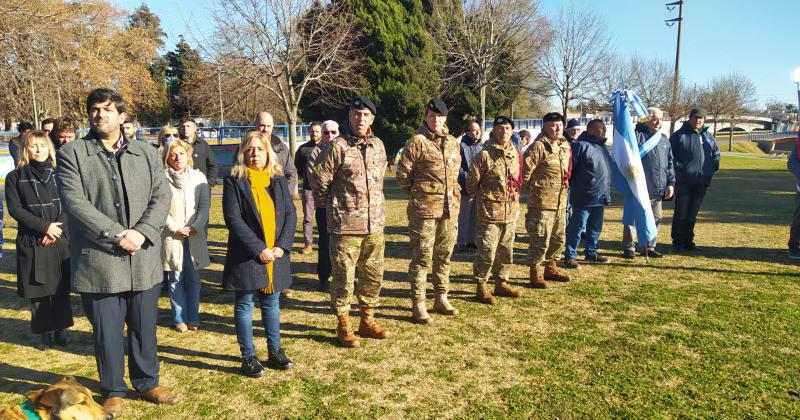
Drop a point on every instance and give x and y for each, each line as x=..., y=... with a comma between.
x=43, y=268
x=261, y=217
x=185, y=247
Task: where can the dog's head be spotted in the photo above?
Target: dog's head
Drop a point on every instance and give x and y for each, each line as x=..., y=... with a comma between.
x=66, y=399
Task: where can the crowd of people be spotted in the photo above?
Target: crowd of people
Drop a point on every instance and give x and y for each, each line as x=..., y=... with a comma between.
x=111, y=218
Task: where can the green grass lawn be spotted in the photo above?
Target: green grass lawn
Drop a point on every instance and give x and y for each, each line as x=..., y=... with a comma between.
x=716, y=334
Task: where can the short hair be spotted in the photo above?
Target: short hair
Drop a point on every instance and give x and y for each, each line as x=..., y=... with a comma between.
x=65, y=124
x=163, y=133
x=524, y=134
x=329, y=124
x=24, y=126
x=182, y=144
x=655, y=110
x=313, y=123
x=131, y=120
x=273, y=166
x=469, y=123
x=29, y=138
x=103, y=95
x=48, y=121
x=187, y=119
x=594, y=122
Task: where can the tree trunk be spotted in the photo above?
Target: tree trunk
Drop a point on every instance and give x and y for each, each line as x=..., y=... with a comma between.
x=291, y=119
x=483, y=108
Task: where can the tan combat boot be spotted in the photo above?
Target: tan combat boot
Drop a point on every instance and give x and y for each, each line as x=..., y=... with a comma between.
x=551, y=272
x=484, y=295
x=344, y=334
x=502, y=289
x=419, y=311
x=442, y=306
x=537, y=277
x=368, y=327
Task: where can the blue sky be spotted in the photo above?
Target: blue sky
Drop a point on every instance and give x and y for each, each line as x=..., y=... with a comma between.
x=758, y=39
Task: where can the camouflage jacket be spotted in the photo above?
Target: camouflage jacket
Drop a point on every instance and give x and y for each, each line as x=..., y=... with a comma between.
x=493, y=181
x=314, y=160
x=428, y=171
x=545, y=173
x=349, y=179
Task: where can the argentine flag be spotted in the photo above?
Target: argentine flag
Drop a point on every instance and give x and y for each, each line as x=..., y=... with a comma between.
x=629, y=174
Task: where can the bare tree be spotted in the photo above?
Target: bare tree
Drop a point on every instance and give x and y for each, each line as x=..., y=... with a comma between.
x=651, y=78
x=491, y=42
x=286, y=47
x=580, y=48
x=715, y=100
x=741, y=99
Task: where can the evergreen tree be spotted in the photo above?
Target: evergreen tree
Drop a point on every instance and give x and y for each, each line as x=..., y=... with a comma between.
x=145, y=25
x=183, y=63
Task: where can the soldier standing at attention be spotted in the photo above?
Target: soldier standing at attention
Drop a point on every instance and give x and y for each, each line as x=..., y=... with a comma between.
x=494, y=181
x=546, y=174
x=350, y=180
x=428, y=172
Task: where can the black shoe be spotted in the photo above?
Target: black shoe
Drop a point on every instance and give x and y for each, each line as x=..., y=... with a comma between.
x=692, y=247
x=324, y=286
x=652, y=253
x=252, y=367
x=60, y=338
x=47, y=339
x=678, y=247
x=628, y=254
x=472, y=245
x=597, y=259
x=278, y=360
x=794, y=254
x=571, y=263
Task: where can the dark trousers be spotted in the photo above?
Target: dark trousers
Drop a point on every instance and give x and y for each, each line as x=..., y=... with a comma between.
x=324, y=261
x=50, y=313
x=108, y=313
x=794, y=230
x=309, y=213
x=688, y=198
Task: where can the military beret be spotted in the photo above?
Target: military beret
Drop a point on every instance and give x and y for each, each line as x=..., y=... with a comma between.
x=437, y=105
x=362, y=102
x=502, y=119
x=697, y=112
x=552, y=116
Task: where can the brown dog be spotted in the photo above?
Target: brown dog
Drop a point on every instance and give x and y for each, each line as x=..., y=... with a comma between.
x=66, y=400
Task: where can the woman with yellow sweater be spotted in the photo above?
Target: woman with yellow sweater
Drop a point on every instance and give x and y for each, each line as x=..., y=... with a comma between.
x=261, y=218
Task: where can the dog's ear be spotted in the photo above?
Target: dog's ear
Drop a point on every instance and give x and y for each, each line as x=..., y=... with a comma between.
x=32, y=396
x=51, y=397
x=70, y=397
x=69, y=378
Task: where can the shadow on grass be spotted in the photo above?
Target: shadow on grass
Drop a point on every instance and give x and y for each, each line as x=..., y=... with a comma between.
x=19, y=380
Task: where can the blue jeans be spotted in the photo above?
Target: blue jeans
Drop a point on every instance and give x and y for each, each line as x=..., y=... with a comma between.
x=184, y=290
x=588, y=219
x=270, y=318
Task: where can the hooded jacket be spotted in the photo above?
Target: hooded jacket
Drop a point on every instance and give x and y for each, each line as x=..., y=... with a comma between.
x=696, y=155
x=591, y=172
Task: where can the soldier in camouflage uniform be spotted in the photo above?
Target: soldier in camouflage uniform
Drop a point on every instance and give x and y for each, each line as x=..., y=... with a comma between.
x=545, y=174
x=428, y=172
x=349, y=179
x=494, y=181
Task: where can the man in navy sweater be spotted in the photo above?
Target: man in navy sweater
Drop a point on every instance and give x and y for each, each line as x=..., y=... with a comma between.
x=696, y=157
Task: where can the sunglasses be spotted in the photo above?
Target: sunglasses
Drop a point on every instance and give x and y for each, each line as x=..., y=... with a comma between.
x=330, y=132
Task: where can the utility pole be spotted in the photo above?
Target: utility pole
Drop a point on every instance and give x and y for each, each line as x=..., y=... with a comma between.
x=674, y=102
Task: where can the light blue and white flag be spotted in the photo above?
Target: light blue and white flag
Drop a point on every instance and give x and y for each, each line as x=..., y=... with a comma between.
x=629, y=174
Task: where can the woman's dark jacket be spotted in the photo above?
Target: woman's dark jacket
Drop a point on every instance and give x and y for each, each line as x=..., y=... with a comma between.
x=32, y=200
x=696, y=155
x=243, y=269
x=590, y=182
x=657, y=163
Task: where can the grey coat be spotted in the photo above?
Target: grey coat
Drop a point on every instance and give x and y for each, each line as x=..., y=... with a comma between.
x=102, y=202
x=285, y=158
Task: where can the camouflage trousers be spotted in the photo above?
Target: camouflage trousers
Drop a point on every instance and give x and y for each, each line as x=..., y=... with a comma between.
x=546, y=235
x=432, y=242
x=495, y=253
x=353, y=255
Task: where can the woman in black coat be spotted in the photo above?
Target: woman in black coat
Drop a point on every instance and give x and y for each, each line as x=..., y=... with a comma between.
x=43, y=269
x=261, y=218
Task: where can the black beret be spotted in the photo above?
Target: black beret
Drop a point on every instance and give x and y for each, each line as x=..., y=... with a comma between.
x=697, y=112
x=437, y=105
x=362, y=102
x=552, y=116
x=502, y=119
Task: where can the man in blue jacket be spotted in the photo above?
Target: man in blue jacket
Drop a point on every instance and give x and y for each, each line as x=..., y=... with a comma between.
x=590, y=192
x=696, y=157
x=659, y=174
x=794, y=232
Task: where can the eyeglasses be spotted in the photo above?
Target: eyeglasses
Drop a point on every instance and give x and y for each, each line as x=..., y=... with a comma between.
x=171, y=136
x=330, y=132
